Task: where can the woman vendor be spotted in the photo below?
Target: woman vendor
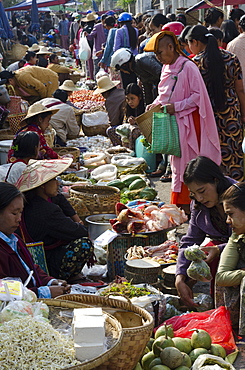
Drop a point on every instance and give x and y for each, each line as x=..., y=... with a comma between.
x=183, y=92
x=16, y=261
x=26, y=146
x=206, y=184
x=49, y=217
x=231, y=269
x=37, y=120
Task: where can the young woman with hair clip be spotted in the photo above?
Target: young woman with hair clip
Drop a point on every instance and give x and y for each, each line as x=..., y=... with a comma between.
x=221, y=72
x=213, y=17
x=31, y=58
x=206, y=184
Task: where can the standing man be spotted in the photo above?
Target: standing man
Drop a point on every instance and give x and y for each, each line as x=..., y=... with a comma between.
x=64, y=31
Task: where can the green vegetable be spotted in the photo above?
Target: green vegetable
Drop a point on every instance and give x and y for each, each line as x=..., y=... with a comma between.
x=148, y=193
x=130, y=179
x=125, y=289
x=137, y=184
x=117, y=184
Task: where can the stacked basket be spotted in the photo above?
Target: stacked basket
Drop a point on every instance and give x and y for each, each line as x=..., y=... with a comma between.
x=134, y=339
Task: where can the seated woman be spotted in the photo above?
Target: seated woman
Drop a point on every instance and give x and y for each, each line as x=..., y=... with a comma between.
x=16, y=261
x=231, y=269
x=206, y=184
x=26, y=146
x=37, y=120
x=64, y=121
x=31, y=58
x=49, y=217
x=134, y=108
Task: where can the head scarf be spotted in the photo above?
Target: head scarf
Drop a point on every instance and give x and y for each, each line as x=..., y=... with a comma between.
x=152, y=44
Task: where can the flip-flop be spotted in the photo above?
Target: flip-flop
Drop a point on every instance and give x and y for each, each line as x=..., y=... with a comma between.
x=166, y=178
x=156, y=174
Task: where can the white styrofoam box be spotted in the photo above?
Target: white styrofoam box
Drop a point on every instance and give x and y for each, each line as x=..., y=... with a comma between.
x=93, y=311
x=89, y=329
x=88, y=351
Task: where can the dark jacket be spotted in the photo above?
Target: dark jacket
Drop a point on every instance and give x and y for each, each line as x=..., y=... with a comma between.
x=148, y=68
x=50, y=222
x=11, y=266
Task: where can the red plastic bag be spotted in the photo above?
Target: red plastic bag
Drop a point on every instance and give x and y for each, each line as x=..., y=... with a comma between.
x=216, y=322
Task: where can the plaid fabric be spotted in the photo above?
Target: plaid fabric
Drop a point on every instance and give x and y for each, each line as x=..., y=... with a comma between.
x=37, y=251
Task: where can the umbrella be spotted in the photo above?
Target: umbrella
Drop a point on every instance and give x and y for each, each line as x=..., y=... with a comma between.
x=35, y=25
x=4, y=24
x=26, y=4
x=95, y=7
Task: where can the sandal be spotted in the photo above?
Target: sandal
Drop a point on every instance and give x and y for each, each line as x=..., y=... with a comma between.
x=156, y=173
x=167, y=177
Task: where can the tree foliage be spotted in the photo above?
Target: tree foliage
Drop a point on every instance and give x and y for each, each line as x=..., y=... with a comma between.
x=124, y=4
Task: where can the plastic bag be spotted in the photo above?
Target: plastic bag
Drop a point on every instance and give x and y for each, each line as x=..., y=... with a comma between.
x=16, y=310
x=216, y=322
x=101, y=73
x=194, y=253
x=84, y=48
x=125, y=160
x=199, y=270
x=95, y=119
x=106, y=171
x=216, y=361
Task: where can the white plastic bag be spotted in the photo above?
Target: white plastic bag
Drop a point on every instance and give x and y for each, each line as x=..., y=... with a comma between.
x=84, y=48
x=95, y=119
x=125, y=160
x=106, y=171
x=217, y=361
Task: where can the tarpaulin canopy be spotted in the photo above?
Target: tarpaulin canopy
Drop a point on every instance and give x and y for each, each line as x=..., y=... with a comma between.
x=207, y=4
x=5, y=30
x=26, y=4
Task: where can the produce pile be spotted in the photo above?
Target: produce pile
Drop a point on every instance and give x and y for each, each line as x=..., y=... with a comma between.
x=148, y=219
x=87, y=101
x=166, y=252
x=198, y=269
x=166, y=352
x=125, y=289
x=26, y=342
x=132, y=188
x=96, y=143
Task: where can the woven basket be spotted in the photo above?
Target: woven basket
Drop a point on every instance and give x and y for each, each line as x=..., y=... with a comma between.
x=66, y=150
x=144, y=121
x=6, y=134
x=17, y=52
x=97, y=199
x=98, y=363
x=95, y=130
x=134, y=339
x=140, y=277
x=15, y=120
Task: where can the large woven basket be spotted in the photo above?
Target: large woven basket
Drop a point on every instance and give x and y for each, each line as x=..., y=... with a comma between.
x=112, y=325
x=97, y=199
x=66, y=150
x=144, y=121
x=17, y=51
x=95, y=130
x=15, y=120
x=134, y=339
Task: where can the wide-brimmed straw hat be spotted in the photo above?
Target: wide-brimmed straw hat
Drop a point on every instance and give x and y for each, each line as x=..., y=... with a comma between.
x=68, y=85
x=34, y=47
x=104, y=84
x=38, y=108
x=38, y=172
x=90, y=17
x=43, y=50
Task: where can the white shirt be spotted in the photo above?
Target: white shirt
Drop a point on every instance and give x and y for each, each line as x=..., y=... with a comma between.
x=14, y=173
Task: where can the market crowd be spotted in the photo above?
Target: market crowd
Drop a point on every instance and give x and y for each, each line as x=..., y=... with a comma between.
x=196, y=71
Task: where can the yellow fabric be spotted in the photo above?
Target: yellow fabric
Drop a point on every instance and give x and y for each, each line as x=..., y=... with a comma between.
x=37, y=81
x=228, y=274
x=152, y=44
x=58, y=68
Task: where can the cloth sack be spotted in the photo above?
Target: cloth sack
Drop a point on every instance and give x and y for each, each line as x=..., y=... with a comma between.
x=165, y=134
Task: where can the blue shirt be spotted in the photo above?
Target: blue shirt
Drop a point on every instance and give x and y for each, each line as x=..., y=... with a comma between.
x=11, y=240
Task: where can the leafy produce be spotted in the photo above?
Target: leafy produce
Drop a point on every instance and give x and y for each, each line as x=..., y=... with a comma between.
x=198, y=269
x=140, y=168
x=70, y=177
x=125, y=289
x=148, y=193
